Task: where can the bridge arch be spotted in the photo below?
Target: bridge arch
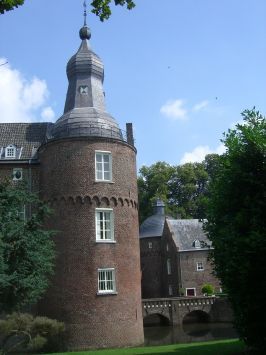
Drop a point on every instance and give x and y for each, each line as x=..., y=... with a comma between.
x=196, y=323
x=155, y=319
x=196, y=316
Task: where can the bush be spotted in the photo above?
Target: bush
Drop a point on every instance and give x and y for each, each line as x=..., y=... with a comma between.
x=22, y=332
x=207, y=289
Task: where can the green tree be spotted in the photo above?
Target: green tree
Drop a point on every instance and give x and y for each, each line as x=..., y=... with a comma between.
x=152, y=184
x=26, y=248
x=7, y=5
x=237, y=225
x=188, y=189
x=101, y=8
x=184, y=188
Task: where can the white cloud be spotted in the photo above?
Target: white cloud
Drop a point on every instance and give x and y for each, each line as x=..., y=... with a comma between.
x=21, y=99
x=198, y=154
x=48, y=114
x=174, y=109
x=200, y=106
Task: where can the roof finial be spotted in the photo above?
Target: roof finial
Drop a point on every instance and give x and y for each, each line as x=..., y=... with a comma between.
x=84, y=32
x=85, y=13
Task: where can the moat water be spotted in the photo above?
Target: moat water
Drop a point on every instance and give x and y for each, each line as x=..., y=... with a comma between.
x=188, y=333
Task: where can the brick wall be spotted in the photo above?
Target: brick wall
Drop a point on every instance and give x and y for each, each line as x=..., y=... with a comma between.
x=151, y=267
x=30, y=174
x=190, y=277
x=68, y=182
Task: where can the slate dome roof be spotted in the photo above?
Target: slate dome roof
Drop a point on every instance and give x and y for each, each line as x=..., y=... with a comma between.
x=85, y=113
x=85, y=61
x=153, y=225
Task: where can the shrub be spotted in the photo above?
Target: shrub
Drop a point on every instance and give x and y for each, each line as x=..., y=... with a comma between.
x=207, y=289
x=22, y=332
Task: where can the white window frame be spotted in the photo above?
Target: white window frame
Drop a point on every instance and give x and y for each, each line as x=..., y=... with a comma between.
x=200, y=266
x=169, y=268
x=150, y=245
x=106, y=281
x=10, y=148
x=103, y=234
x=167, y=247
x=191, y=288
x=101, y=171
x=14, y=174
x=170, y=290
x=197, y=244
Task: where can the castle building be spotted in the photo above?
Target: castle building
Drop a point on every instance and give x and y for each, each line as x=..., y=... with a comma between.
x=174, y=256
x=84, y=165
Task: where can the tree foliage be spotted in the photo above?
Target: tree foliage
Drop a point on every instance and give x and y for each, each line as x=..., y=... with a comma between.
x=153, y=184
x=237, y=225
x=101, y=8
x=7, y=5
x=184, y=188
x=26, y=249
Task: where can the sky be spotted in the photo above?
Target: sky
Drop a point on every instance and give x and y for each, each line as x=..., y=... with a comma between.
x=181, y=71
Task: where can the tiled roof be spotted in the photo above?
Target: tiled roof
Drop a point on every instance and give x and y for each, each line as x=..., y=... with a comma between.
x=186, y=232
x=28, y=136
x=152, y=226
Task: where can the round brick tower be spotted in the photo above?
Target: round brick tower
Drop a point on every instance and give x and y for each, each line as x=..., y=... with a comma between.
x=88, y=173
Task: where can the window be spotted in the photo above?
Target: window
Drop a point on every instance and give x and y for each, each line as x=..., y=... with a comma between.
x=200, y=266
x=196, y=244
x=150, y=245
x=106, y=281
x=17, y=174
x=104, y=225
x=170, y=290
x=190, y=292
x=10, y=152
x=167, y=247
x=169, y=270
x=103, y=166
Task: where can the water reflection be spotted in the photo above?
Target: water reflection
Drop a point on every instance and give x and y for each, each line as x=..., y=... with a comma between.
x=187, y=333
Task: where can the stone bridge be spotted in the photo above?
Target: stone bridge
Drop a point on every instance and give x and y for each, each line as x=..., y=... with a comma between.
x=175, y=309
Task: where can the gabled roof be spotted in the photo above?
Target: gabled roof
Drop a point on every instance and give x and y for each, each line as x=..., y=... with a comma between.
x=28, y=136
x=185, y=232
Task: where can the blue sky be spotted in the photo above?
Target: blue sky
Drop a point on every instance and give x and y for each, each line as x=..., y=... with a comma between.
x=180, y=70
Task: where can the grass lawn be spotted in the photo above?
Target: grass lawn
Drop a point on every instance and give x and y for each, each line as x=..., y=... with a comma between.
x=221, y=347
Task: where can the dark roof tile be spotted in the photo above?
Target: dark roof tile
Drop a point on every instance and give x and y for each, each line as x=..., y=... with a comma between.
x=29, y=136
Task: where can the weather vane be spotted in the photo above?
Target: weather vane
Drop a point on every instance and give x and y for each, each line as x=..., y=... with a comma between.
x=85, y=13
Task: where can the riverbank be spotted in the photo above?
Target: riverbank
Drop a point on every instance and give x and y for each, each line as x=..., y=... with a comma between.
x=221, y=347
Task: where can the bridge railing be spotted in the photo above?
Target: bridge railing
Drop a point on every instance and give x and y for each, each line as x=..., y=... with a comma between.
x=179, y=301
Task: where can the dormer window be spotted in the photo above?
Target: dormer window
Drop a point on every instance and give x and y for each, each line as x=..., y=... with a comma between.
x=196, y=244
x=10, y=152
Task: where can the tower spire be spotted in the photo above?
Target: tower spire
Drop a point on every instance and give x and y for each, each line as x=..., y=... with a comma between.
x=85, y=13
